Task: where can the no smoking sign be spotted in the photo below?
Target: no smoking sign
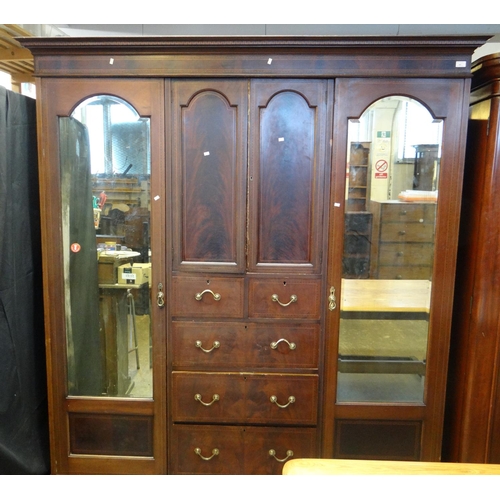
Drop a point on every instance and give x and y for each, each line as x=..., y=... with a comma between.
x=381, y=165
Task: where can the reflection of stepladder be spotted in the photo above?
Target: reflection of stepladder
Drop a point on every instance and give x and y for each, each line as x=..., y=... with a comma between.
x=132, y=330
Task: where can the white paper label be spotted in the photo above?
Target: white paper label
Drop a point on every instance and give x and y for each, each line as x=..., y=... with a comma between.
x=269, y=61
x=281, y=139
x=206, y=153
x=111, y=61
x=129, y=276
x=460, y=64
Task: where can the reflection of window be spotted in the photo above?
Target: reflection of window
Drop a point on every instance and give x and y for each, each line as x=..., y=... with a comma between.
x=417, y=127
x=119, y=137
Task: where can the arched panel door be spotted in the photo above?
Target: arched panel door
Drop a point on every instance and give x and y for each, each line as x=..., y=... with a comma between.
x=287, y=165
x=209, y=155
x=392, y=251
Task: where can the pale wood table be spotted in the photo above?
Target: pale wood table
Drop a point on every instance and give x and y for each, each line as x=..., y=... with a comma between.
x=323, y=466
x=402, y=296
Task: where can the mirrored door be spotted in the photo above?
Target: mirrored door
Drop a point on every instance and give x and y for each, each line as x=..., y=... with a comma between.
x=393, y=152
x=105, y=191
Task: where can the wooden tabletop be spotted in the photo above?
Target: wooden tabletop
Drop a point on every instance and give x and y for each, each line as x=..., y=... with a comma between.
x=386, y=295
x=320, y=466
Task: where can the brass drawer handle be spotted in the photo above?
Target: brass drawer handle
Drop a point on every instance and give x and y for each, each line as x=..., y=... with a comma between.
x=215, y=398
x=274, y=400
x=275, y=298
x=289, y=454
x=291, y=345
x=199, y=296
x=215, y=452
x=215, y=345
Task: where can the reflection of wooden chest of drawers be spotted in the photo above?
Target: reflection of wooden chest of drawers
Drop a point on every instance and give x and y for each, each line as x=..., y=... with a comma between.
x=403, y=240
x=245, y=356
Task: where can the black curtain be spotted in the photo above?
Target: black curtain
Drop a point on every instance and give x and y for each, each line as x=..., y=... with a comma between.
x=24, y=447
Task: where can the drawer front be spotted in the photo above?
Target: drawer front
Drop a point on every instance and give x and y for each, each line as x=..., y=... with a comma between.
x=408, y=212
x=223, y=346
x=285, y=298
x=280, y=399
x=207, y=297
x=265, y=447
x=208, y=397
x=284, y=347
x=405, y=272
x=208, y=345
x=245, y=397
x=401, y=254
x=203, y=449
x=417, y=232
x=207, y=449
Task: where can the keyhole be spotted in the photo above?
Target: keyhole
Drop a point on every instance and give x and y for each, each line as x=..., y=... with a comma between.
x=208, y=282
x=284, y=283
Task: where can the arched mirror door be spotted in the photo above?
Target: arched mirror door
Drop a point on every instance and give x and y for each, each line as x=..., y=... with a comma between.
x=105, y=190
x=392, y=172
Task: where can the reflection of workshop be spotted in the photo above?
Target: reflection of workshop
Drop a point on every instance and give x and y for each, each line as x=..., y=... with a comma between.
x=391, y=197
x=123, y=296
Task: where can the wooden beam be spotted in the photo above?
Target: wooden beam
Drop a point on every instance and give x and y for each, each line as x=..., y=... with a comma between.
x=15, y=54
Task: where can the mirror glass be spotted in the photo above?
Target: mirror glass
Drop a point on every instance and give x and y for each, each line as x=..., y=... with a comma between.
x=105, y=192
x=392, y=174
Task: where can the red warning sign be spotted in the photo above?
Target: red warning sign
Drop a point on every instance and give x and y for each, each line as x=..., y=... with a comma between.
x=75, y=247
x=381, y=165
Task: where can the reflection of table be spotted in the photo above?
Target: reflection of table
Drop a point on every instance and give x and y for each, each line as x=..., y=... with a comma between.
x=113, y=312
x=366, y=298
x=330, y=466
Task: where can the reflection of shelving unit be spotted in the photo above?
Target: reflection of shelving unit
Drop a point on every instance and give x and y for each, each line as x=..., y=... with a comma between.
x=357, y=245
x=118, y=189
x=359, y=176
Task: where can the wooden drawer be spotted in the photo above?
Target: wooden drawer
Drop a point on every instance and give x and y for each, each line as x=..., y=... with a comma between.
x=244, y=397
x=417, y=232
x=239, y=450
x=223, y=346
x=401, y=254
x=284, y=298
x=207, y=297
x=408, y=212
x=207, y=449
x=221, y=397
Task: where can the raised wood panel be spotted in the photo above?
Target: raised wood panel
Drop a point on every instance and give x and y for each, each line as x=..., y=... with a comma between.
x=286, y=172
x=382, y=440
x=210, y=124
x=95, y=434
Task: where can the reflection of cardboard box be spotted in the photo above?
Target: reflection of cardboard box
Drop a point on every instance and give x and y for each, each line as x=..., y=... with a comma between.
x=107, y=269
x=134, y=274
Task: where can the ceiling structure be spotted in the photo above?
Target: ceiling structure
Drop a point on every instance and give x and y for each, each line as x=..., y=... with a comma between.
x=18, y=61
